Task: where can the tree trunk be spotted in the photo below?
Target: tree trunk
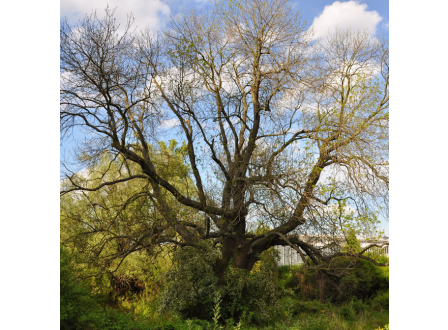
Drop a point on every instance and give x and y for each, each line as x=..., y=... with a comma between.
x=238, y=253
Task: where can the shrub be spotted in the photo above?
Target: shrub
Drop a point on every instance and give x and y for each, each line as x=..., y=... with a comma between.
x=116, y=320
x=252, y=293
x=191, y=285
x=199, y=324
x=310, y=307
x=79, y=309
x=363, y=281
x=286, y=276
x=82, y=310
x=357, y=305
x=167, y=325
x=347, y=313
x=381, y=301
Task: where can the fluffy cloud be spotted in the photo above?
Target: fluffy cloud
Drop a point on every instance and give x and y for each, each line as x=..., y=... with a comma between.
x=345, y=15
x=147, y=13
x=170, y=123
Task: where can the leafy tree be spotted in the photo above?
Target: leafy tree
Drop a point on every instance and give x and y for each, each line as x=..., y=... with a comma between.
x=277, y=129
x=106, y=225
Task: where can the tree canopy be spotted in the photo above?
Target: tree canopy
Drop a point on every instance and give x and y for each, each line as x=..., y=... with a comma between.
x=278, y=130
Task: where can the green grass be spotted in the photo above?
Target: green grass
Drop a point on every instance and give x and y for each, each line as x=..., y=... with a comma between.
x=294, y=314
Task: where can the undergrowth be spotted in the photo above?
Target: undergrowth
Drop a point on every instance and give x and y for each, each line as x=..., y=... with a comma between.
x=295, y=306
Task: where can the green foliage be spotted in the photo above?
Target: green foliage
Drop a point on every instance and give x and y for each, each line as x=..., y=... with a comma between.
x=353, y=245
x=357, y=305
x=253, y=293
x=299, y=311
x=364, y=281
x=108, y=221
x=93, y=223
x=361, y=280
x=192, y=285
x=316, y=323
x=347, y=313
x=311, y=307
x=79, y=309
x=286, y=276
x=386, y=327
x=381, y=301
x=117, y=320
x=217, y=311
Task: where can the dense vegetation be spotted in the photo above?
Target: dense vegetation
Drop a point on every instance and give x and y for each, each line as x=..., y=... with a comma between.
x=176, y=287
x=186, y=295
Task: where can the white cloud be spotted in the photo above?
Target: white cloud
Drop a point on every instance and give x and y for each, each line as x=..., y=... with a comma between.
x=345, y=15
x=147, y=13
x=170, y=123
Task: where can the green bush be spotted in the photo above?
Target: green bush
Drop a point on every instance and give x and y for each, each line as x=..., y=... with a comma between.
x=82, y=310
x=362, y=281
x=79, y=309
x=381, y=301
x=191, y=286
x=357, y=305
x=191, y=283
x=199, y=324
x=286, y=276
x=168, y=325
x=310, y=307
x=253, y=293
x=117, y=320
x=347, y=313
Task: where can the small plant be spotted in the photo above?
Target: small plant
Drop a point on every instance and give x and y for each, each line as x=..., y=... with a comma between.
x=357, y=305
x=310, y=307
x=315, y=323
x=386, y=327
x=381, y=301
x=216, y=311
x=347, y=313
x=238, y=326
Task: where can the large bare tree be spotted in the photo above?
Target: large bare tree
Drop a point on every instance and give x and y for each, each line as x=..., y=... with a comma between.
x=279, y=130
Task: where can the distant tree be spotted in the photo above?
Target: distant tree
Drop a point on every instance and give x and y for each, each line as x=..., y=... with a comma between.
x=277, y=129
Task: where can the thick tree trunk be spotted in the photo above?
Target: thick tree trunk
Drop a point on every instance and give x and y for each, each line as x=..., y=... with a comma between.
x=236, y=253
x=236, y=249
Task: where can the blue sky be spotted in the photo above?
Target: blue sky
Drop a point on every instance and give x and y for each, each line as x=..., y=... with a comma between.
x=154, y=13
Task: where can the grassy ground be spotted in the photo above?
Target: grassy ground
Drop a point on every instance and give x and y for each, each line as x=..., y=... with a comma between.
x=330, y=317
